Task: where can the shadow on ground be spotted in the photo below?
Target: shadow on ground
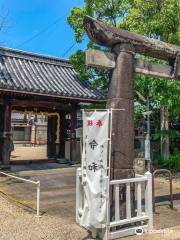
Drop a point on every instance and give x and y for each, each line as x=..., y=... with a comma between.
x=58, y=186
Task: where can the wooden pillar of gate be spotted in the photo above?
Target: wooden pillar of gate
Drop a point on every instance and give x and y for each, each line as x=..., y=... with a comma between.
x=51, y=137
x=120, y=96
x=1, y=131
x=6, y=142
x=73, y=143
x=62, y=137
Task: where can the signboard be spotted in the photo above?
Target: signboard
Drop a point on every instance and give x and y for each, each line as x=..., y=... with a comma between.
x=94, y=168
x=147, y=150
x=79, y=132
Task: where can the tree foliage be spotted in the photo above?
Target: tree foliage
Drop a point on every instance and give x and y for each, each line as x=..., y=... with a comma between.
x=97, y=77
x=109, y=11
x=155, y=18
x=158, y=19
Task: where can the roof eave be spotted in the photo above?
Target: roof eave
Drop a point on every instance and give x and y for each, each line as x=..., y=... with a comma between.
x=90, y=100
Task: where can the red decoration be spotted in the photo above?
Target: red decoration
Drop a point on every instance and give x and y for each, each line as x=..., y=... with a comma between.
x=99, y=123
x=90, y=122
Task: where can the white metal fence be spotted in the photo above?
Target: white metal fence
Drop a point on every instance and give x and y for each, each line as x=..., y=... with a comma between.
x=138, y=220
x=79, y=195
x=141, y=218
x=37, y=183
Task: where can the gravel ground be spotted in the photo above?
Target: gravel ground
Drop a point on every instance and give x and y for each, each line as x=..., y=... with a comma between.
x=58, y=205
x=17, y=224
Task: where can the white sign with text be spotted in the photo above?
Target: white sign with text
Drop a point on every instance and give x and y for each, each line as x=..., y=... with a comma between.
x=94, y=168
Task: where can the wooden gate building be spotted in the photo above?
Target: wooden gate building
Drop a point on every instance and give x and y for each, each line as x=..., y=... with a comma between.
x=32, y=82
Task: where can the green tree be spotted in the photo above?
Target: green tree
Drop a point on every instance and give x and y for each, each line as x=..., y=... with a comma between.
x=109, y=11
x=161, y=20
x=155, y=18
x=158, y=19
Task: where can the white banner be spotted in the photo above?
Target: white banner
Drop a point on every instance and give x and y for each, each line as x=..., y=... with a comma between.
x=94, y=168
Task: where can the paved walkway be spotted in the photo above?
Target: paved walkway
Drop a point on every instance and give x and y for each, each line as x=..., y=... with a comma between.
x=28, y=152
x=58, y=207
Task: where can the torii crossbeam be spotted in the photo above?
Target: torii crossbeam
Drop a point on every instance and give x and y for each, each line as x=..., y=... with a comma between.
x=111, y=36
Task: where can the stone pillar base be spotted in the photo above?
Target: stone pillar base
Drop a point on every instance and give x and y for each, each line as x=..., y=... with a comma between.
x=122, y=173
x=140, y=166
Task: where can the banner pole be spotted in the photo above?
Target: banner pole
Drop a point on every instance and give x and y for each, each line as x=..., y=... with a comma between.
x=109, y=176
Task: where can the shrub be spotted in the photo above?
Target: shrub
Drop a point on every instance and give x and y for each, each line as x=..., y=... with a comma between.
x=172, y=163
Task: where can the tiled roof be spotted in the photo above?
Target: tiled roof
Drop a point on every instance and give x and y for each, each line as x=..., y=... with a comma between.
x=44, y=75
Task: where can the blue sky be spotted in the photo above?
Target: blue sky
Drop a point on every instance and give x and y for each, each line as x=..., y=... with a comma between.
x=26, y=18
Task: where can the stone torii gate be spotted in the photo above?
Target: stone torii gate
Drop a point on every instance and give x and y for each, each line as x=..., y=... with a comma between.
x=124, y=46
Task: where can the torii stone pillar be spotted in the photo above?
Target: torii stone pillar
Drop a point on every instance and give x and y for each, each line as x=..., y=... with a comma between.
x=120, y=96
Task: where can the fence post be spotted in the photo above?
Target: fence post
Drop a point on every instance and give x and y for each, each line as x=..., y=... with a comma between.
x=106, y=234
x=148, y=200
x=78, y=194
x=38, y=198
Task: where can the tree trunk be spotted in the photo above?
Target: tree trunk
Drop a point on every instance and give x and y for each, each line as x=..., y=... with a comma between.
x=164, y=126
